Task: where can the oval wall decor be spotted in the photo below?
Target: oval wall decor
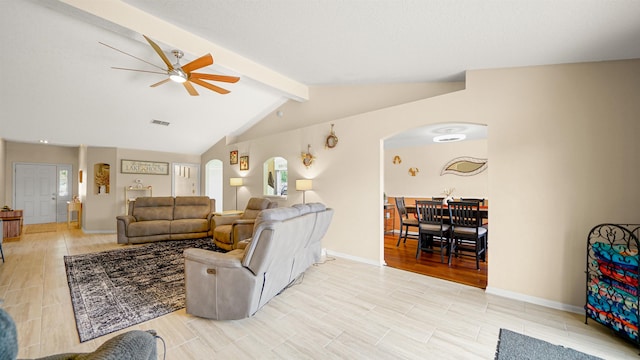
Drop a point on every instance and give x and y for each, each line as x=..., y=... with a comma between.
x=465, y=166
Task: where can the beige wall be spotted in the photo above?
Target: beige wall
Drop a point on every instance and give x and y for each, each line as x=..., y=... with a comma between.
x=3, y=187
x=429, y=160
x=16, y=152
x=561, y=148
x=335, y=102
x=99, y=211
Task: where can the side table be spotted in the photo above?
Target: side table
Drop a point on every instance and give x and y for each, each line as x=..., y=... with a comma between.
x=11, y=224
x=71, y=207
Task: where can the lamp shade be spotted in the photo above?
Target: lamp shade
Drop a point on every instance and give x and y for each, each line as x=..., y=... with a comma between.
x=304, y=184
x=235, y=181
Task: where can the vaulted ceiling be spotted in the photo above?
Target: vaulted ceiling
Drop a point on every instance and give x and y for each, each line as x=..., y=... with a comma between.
x=57, y=82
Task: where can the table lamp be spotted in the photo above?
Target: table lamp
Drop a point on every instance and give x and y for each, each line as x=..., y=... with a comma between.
x=304, y=185
x=235, y=182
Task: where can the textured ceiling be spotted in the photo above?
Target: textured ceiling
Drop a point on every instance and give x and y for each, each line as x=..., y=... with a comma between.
x=60, y=85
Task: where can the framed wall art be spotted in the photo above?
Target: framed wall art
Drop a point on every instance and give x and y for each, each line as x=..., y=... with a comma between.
x=144, y=167
x=244, y=162
x=233, y=157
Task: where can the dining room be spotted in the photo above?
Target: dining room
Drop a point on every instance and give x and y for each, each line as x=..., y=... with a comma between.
x=447, y=161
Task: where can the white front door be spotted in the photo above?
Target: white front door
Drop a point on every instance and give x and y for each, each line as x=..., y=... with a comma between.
x=35, y=192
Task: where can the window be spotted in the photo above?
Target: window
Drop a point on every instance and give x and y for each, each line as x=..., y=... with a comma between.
x=275, y=177
x=63, y=182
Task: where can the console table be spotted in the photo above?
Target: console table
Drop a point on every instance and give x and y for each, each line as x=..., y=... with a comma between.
x=11, y=223
x=77, y=207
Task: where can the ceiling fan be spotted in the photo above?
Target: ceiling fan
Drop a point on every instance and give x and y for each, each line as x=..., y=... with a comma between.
x=182, y=73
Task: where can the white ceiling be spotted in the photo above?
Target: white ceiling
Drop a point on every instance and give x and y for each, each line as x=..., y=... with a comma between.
x=57, y=82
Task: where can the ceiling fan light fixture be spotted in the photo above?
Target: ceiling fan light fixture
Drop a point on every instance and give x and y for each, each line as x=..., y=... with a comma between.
x=449, y=138
x=177, y=75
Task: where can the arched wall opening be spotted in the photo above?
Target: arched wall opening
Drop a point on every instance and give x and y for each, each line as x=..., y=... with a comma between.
x=213, y=182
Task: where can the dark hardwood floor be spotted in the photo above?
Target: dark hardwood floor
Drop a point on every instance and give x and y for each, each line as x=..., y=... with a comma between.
x=462, y=270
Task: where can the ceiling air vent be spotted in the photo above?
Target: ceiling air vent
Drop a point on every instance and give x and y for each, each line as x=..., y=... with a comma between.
x=158, y=122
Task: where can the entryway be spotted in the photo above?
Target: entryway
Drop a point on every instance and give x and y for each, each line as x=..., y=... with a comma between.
x=42, y=192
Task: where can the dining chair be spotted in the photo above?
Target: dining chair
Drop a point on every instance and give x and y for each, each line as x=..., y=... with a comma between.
x=432, y=228
x=467, y=233
x=478, y=200
x=405, y=220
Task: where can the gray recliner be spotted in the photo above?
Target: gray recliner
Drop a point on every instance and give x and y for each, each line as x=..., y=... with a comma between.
x=132, y=345
x=234, y=285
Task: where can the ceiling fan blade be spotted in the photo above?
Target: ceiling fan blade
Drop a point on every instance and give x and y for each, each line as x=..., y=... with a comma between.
x=160, y=52
x=160, y=82
x=135, y=57
x=198, y=63
x=192, y=91
x=213, y=77
x=210, y=86
x=147, y=71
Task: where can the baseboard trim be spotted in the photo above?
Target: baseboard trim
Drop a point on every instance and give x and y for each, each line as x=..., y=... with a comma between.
x=354, y=258
x=534, y=300
x=99, y=231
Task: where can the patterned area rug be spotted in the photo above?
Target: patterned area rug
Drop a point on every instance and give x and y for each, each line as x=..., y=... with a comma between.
x=514, y=346
x=112, y=290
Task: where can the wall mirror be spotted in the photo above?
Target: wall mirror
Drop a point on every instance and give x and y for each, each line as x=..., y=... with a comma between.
x=275, y=177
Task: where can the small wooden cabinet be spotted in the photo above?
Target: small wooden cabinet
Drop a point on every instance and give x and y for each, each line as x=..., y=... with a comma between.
x=389, y=218
x=132, y=192
x=11, y=223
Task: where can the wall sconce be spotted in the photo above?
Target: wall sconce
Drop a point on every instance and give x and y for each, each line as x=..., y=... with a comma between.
x=304, y=185
x=236, y=182
x=307, y=158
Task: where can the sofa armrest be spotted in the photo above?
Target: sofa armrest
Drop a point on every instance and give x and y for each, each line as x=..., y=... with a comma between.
x=122, y=225
x=127, y=219
x=223, y=220
x=242, y=229
x=232, y=259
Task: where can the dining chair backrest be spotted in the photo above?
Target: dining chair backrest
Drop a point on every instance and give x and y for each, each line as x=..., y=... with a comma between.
x=402, y=209
x=479, y=200
x=429, y=211
x=465, y=213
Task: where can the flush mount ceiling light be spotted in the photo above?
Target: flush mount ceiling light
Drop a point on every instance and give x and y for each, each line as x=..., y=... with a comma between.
x=449, y=138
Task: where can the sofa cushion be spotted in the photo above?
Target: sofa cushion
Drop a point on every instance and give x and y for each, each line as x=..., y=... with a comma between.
x=148, y=228
x=191, y=207
x=153, y=208
x=183, y=226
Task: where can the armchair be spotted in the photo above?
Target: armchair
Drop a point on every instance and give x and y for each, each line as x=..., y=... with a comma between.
x=229, y=230
x=131, y=345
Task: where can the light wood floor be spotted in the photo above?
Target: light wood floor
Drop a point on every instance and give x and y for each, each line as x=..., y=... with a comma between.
x=341, y=310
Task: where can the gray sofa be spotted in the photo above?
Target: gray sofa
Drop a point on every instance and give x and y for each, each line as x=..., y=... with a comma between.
x=166, y=218
x=234, y=285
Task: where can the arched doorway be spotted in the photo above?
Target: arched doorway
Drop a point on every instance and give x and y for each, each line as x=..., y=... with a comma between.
x=413, y=169
x=213, y=182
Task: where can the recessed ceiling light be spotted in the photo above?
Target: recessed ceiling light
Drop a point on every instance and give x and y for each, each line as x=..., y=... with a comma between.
x=449, y=138
x=43, y=141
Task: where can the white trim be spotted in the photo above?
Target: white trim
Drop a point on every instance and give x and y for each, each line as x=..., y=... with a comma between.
x=354, y=258
x=99, y=231
x=534, y=300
